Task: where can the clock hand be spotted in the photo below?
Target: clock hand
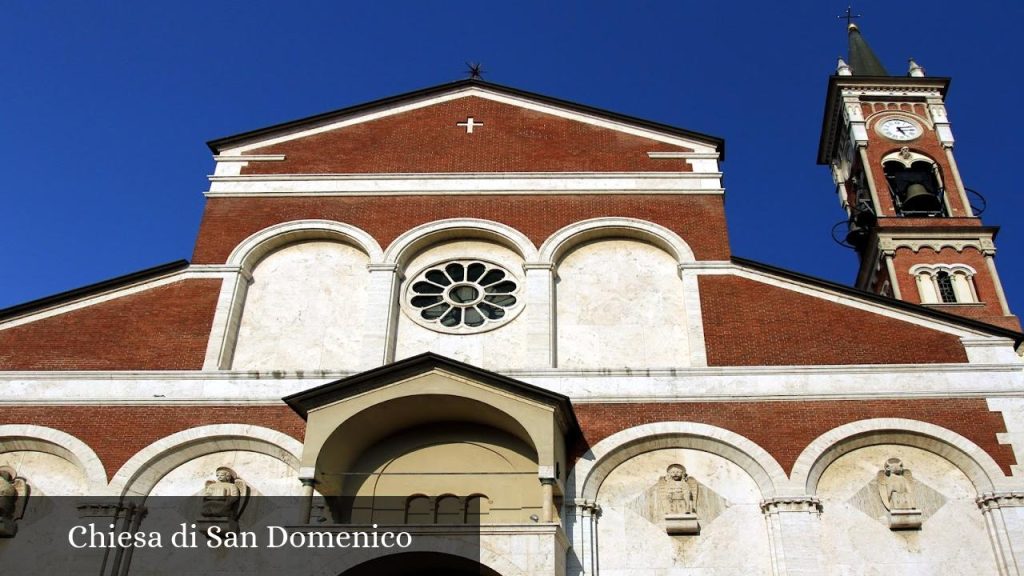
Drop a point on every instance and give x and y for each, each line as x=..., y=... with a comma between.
x=900, y=128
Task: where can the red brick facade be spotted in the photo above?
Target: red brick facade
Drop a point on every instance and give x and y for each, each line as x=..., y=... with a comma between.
x=164, y=328
x=748, y=323
x=116, y=433
x=784, y=429
x=698, y=219
x=426, y=140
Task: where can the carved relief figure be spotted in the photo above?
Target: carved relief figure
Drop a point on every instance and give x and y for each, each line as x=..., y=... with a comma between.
x=14, y=494
x=679, y=491
x=225, y=499
x=678, y=494
x=895, y=486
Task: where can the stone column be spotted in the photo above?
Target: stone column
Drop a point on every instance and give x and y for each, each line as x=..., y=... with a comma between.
x=890, y=267
x=382, y=320
x=795, y=535
x=1004, y=520
x=540, y=311
x=990, y=263
x=308, y=484
x=547, y=513
x=583, y=534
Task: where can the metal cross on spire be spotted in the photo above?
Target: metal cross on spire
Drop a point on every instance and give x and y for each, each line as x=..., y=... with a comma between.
x=849, y=16
x=475, y=70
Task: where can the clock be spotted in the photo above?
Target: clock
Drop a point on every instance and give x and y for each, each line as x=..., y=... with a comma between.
x=899, y=129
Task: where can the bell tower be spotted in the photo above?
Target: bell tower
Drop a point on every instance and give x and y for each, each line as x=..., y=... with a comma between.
x=915, y=226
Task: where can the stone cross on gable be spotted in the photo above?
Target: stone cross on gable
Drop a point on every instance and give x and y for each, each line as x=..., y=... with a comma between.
x=469, y=124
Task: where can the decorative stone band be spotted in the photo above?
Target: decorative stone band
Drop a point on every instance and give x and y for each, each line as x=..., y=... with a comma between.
x=806, y=504
x=991, y=500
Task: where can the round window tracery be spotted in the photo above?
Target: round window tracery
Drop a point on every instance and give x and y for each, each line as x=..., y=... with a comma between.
x=463, y=296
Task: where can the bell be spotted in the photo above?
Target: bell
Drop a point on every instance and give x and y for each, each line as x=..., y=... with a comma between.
x=856, y=236
x=919, y=199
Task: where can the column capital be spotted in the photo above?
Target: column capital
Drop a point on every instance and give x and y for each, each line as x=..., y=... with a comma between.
x=991, y=500
x=806, y=504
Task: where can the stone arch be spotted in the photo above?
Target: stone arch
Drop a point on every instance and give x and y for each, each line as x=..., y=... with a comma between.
x=970, y=458
x=468, y=557
x=592, y=469
x=556, y=246
x=143, y=470
x=31, y=438
x=412, y=241
x=255, y=247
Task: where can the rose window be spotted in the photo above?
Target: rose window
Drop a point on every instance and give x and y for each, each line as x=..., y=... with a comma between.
x=463, y=296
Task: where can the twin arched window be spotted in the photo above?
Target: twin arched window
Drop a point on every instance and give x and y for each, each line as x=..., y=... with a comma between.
x=945, y=283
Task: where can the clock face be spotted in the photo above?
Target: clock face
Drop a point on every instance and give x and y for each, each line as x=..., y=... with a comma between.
x=899, y=129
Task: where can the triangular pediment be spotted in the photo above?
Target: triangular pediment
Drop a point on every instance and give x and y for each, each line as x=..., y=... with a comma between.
x=468, y=126
x=411, y=368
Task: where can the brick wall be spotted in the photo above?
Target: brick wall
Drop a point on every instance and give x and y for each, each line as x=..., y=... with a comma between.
x=784, y=429
x=164, y=328
x=748, y=323
x=989, y=310
x=116, y=433
x=511, y=139
x=699, y=220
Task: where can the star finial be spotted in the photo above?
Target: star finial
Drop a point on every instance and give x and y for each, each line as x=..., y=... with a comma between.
x=475, y=70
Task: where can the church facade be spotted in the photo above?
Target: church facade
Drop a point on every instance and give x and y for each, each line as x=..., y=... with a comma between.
x=521, y=316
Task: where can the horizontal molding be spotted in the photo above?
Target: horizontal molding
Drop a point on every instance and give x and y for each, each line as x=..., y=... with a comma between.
x=258, y=375
x=466, y=176
x=718, y=384
x=683, y=155
x=502, y=192
x=249, y=158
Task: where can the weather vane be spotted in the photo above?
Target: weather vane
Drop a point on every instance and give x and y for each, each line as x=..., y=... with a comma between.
x=475, y=70
x=849, y=16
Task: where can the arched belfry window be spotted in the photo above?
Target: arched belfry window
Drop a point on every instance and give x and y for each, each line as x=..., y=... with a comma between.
x=914, y=184
x=945, y=283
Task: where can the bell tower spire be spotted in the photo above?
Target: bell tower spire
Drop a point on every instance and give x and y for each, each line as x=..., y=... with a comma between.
x=913, y=223
x=862, y=59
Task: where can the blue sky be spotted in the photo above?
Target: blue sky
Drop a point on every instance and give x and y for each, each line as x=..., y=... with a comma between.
x=106, y=107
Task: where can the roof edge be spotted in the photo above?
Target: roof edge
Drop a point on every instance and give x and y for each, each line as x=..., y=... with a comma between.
x=218, y=144
x=1017, y=337
x=92, y=289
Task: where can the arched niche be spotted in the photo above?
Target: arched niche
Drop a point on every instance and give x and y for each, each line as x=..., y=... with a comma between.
x=855, y=526
x=53, y=448
x=146, y=468
x=976, y=464
x=446, y=448
x=305, y=308
x=620, y=303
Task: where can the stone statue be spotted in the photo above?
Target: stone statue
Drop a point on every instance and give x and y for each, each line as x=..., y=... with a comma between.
x=895, y=486
x=224, y=500
x=896, y=489
x=678, y=493
x=14, y=494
